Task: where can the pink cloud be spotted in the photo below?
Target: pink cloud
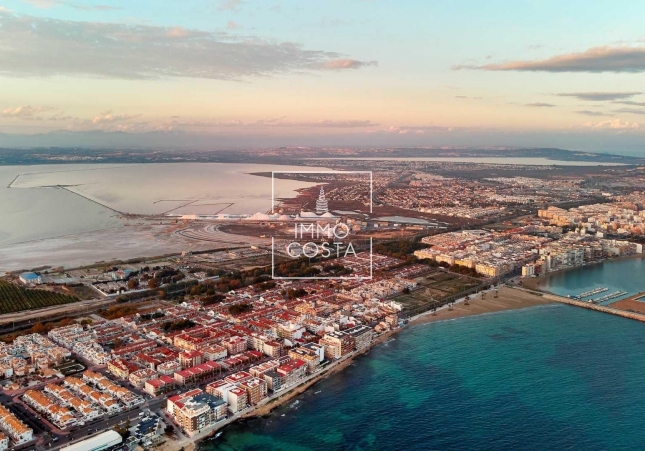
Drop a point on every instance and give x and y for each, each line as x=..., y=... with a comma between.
x=346, y=63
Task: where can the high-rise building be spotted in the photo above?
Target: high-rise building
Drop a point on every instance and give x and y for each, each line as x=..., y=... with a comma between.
x=195, y=411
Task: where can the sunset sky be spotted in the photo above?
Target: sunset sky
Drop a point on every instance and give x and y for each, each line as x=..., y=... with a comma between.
x=348, y=72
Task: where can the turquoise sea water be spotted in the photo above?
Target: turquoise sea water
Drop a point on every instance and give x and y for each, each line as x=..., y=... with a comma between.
x=551, y=377
x=618, y=275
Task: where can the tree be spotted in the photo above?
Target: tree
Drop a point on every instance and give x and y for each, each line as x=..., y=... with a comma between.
x=133, y=283
x=153, y=283
x=238, y=309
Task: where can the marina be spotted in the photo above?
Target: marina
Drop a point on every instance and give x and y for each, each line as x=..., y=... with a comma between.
x=608, y=297
x=592, y=292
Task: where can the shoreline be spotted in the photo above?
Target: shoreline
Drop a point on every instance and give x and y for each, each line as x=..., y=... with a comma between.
x=534, y=283
x=509, y=299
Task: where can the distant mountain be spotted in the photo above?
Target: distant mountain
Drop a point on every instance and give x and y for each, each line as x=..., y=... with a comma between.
x=101, y=139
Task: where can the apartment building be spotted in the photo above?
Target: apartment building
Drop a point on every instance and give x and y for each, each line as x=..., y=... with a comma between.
x=362, y=336
x=139, y=377
x=337, y=344
x=235, y=345
x=191, y=358
x=310, y=357
x=214, y=352
x=292, y=372
x=256, y=390
x=195, y=411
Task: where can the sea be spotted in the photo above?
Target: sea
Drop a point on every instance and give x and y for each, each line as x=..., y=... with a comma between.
x=550, y=377
x=616, y=275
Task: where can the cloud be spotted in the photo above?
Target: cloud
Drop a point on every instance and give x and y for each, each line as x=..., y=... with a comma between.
x=25, y=112
x=43, y=3
x=233, y=25
x=4, y=10
x=599, y=96
x=330, y=124
x=274, y=122
x=612, y=124
x=177, y=32
x=229, y=5
x=108, y=117
x=37, y=47
x=595, y=60
x=591, y=113
x=416, y=129
x=630, y=102
x=630, y=110
x=93, y=7
x=345, y=63
x=540, y=105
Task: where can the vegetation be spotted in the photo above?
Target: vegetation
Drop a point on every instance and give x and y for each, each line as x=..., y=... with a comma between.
x=212, y=299
x=123, y=429
x=155, y=315
x=298, y=268
x=238, y=309
x=464, y=270
x=38, y=328
x=118, y=311
x=292, y=293
x=14, y=298
x=399, y=249
x=170, y=326
x=337, y=269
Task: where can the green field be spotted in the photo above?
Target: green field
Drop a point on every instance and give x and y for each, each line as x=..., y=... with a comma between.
x=15, y=299
x=434, y=288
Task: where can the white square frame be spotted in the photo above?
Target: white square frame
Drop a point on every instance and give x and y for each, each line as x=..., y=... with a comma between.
x=273, y=276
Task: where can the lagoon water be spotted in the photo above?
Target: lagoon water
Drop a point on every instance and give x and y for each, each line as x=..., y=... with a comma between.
x=529, y=161
x=36, y=208
x=552, y=377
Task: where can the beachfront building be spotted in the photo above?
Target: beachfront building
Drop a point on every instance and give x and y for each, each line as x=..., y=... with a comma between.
x=362, y=336
x=309, y=356
x=292, y=372
x=196, y=411
x=256, y=390
x=337, y=344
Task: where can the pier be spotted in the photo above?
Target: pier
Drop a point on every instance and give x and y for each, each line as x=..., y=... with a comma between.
x=592, y=292
x=589, y=305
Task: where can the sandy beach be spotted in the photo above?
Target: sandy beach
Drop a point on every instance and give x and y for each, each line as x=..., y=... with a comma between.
x=509, y=299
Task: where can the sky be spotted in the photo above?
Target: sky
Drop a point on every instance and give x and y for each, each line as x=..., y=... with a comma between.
x=222, y=73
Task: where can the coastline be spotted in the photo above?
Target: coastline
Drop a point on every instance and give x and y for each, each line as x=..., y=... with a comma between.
x=509, y=299
x=534, y=283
